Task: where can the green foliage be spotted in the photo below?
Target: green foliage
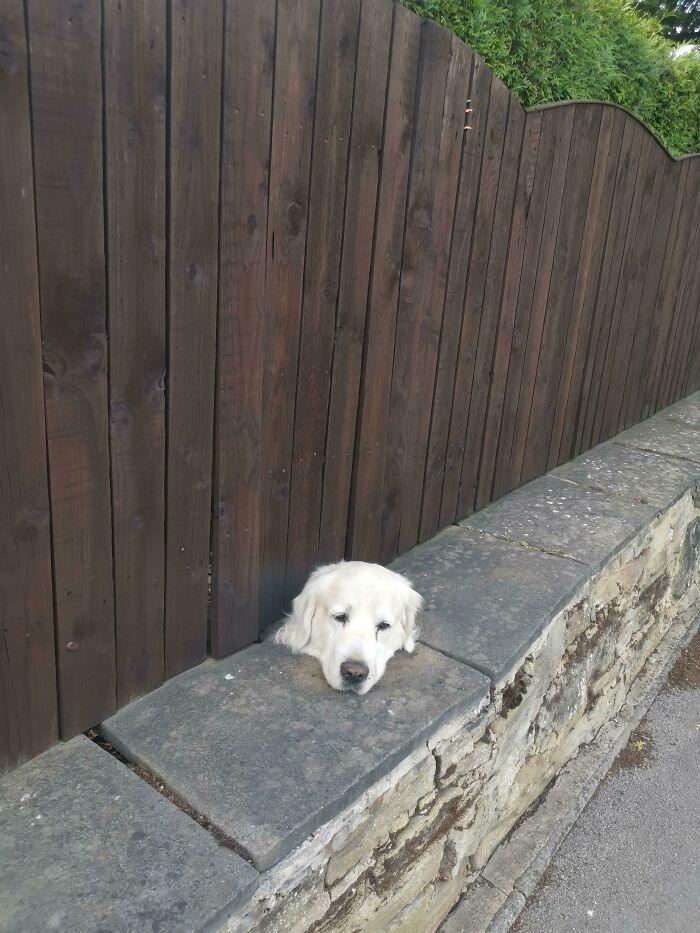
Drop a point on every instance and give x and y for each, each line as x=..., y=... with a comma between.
x=680, y=19
x=549, y=50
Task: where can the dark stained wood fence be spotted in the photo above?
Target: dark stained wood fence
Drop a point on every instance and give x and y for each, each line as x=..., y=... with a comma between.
x=289, y=309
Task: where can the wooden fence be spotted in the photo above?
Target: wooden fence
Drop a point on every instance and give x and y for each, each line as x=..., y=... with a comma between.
x=289, y=309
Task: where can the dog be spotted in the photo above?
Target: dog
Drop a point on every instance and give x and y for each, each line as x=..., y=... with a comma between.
x=353, y=616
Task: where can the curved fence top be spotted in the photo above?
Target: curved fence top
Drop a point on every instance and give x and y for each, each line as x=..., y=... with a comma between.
x=286, y=282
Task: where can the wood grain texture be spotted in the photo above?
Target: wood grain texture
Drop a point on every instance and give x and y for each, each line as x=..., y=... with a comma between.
x=684, y=304
x=669, y=177
x=640, y=228
x=442, y=91
x=494, y=100
x=66, y=84
x=371, y=77
x=658, y=319
x=674, y=262
x=136, y=87
x=249, y=61
x=294, y=108
x=562, y=283
x=691, y=303
x=327, y=200
x=626, y=176
x=366, y=504
x=621, y=268
x=593, y=239
x=532, y=134
x=537, y=183
x=491, y=313
x=28, y=706
x=560, y=128
x=593, y=310
x=693, y=334
x=453, y=311
x=196, y=37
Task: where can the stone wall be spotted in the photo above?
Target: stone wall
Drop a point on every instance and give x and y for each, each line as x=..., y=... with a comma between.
x=247, y=795
x=399, y=858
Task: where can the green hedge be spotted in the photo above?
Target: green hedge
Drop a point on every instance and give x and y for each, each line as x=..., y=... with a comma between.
x=549, y=50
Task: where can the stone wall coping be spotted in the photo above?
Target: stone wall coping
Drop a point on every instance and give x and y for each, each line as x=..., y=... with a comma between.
x=266, y=752
x=261, y=745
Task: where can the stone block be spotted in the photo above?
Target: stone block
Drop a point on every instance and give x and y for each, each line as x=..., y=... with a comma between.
x=487, y=599
x=668, y=434
x=566, y=519
x=85, y=845
x=631, y=473
x=477, y=907
x=688, y=410
x=388, y=814
x=267, y=751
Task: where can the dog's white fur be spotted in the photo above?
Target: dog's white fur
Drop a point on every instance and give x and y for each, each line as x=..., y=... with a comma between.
x=342, y=615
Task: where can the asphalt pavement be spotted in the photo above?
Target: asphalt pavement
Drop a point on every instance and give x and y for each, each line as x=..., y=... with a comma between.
x=631, y=864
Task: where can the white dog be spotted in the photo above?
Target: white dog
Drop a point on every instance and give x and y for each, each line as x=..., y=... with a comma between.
x=353, y=617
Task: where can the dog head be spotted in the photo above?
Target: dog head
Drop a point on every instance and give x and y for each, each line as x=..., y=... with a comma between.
x=353, y=617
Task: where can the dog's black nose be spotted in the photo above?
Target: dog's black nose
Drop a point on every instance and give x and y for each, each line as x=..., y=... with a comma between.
x=354, y=672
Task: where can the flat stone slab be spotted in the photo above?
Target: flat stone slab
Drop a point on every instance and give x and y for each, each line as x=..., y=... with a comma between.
x=666, y=434
x=686, y=410
x=564, y=518
x=267, y=751
x=85, y=845
x=631, y=473
x=487, y=599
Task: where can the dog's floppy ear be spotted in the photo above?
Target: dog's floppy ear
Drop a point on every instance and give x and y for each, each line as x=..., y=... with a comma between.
x=295, y=633
x=412, y=605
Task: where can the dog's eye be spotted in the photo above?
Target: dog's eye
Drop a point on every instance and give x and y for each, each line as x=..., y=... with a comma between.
x=382, y=626
x=341, y=617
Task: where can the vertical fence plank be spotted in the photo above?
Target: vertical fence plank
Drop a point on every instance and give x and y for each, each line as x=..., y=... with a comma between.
x=593, y=305
x=245, y=165
x=195, y=106
x=626, y=174
x=675, y=345
x=588, y=267
x=298, y=24
x=460, y=248
x=560, y=126
x=629, y=287
x=66, y=83
x=676, y=255
x=690, y=382
x=135, y=87
x=532, y=133
x=544, y=142
x=477, y=305
x=494, y=99
x=433, y=65
x=327, y=198
x=371, y=75
x=434, y=329
x=491, y=321
x=668, y=350
x=443, y=88
x=371, y=443
x=658, y=318
x=669, y=175
x=693, y=332
x=621, y=264
x=28, y=713
x=690, y=312
x=577, y=189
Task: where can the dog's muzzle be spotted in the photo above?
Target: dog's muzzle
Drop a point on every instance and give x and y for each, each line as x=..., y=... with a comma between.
x=353, y=673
